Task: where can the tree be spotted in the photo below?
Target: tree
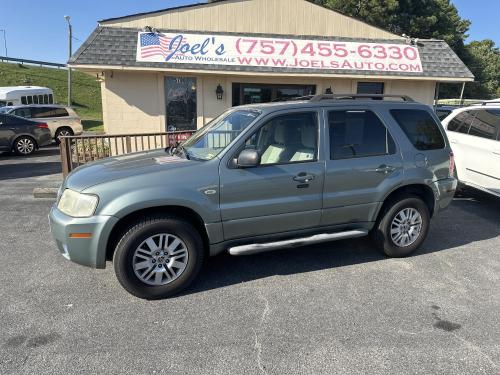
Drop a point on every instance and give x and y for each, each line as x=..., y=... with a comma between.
x=483, y=59
x=438, y=19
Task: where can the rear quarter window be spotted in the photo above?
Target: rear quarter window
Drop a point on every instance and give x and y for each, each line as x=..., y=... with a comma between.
x=420, y=128
x=60, y=112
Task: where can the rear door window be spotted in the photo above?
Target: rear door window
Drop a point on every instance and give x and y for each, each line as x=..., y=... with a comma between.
x=42, y=112
x=486, y=124
x=461, y=122
x=420, y=128
x=357, y=134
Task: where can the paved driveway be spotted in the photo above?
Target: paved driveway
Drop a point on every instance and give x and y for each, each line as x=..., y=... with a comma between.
x=22, y=174
x=338, y=308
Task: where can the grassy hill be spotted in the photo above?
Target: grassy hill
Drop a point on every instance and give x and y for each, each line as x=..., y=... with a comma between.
x=86, y=93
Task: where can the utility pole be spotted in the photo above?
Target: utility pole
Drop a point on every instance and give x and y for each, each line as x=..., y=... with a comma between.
x=5, y=41
x=70, y=39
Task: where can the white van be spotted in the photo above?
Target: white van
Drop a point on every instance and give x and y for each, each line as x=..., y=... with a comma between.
x=18, y=95
x=474, y=134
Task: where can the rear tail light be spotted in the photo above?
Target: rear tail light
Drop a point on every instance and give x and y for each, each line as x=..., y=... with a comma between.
x=42, y=125
x=452, y=164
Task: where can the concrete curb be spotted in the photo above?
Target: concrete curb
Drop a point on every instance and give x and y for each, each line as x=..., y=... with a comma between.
x=45, y=193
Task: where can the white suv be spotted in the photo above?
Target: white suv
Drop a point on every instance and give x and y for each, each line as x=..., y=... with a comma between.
x=60, y=119
x=474, y=134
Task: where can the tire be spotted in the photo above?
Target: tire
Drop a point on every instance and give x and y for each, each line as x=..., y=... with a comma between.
x=395, y=245
x=61, y=132
x=24, y=145
x=138, y=261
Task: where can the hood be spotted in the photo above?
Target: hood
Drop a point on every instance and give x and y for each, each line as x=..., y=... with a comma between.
x=123, y=166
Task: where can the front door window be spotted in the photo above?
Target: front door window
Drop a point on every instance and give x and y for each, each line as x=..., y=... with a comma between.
x=180, y=95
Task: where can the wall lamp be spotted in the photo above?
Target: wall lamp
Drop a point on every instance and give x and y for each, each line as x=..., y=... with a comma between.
x=219, y=91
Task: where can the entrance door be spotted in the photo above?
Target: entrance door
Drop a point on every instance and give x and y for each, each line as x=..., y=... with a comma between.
x=180, y=101
x=251, y=93
x=282, y=194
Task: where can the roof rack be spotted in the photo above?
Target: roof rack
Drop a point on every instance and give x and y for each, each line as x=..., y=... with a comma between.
x=491, y=102
x=318, y=98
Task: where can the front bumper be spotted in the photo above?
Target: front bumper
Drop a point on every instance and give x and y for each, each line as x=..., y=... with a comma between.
x=89, y=252
x=444, y=190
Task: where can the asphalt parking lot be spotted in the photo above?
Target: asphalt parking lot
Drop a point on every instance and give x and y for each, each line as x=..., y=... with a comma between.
x=336, y=308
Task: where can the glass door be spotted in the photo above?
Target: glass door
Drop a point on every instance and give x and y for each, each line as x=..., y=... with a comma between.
x=180, y=98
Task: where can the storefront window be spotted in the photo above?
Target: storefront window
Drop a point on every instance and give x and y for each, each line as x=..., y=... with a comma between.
x=370, y=87
x=251, y=93
x=180, y=94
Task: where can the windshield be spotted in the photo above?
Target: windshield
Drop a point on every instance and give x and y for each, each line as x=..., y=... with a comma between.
x=210, y=140
x=3, y=109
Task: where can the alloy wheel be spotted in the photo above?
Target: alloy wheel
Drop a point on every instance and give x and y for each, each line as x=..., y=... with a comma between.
x=63, y=133
x=406, y=227
x=160, y=259
x=25, y=146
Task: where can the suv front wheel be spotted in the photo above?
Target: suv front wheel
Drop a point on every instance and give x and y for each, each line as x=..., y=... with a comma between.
x=158, y=257
x=402, y=227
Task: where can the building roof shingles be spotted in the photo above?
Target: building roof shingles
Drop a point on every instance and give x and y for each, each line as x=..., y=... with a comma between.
x=114, y=46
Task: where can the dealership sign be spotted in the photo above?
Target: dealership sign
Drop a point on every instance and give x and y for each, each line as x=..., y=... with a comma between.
x=229, y=50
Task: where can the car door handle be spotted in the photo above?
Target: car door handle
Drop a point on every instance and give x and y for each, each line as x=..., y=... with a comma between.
x=303, y=177
x=497, y=152
x=383, y=169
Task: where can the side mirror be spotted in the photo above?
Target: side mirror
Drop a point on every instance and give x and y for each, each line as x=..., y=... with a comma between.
x=248, y=158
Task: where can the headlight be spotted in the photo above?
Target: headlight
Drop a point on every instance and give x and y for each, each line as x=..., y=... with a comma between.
x=77, y=204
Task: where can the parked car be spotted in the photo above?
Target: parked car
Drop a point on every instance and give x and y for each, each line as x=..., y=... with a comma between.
x=21, y=135
x=62, y=121
x=259, y=177
x=442, y=111
x=17, y=95
x=474, y=133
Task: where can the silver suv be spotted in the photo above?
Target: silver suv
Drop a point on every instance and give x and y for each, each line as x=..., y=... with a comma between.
x=62, y=121
x=257, y=178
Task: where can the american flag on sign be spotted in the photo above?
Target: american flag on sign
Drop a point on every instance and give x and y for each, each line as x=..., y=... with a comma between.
x=152, y=44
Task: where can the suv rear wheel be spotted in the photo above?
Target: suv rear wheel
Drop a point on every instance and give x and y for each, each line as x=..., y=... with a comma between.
x=402, y=227
x=158, y=257
x=62, y=132
x=24, y=145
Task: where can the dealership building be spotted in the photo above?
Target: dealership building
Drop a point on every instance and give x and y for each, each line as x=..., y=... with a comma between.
x=178, y=68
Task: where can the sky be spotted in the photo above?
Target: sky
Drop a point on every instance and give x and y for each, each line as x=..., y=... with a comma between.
x=41, y=33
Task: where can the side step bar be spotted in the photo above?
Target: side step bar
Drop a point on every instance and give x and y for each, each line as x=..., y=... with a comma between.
x=325, y=237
